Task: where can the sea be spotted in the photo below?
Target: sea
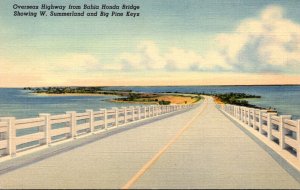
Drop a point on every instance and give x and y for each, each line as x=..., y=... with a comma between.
x=19, y=103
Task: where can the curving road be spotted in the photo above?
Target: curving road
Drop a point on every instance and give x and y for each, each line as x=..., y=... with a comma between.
x=200, y=148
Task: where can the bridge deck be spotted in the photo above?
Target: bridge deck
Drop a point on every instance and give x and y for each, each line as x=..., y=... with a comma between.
x=200, y=148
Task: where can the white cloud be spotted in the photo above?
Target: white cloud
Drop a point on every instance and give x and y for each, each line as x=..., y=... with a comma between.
x=267, y=43
x=77, y=63
x=148, y=56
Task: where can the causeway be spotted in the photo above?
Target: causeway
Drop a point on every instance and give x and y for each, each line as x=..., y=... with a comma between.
x=198, y=148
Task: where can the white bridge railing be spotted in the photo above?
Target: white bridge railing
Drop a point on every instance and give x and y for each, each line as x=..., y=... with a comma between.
x=18, y=135
x=280, y=129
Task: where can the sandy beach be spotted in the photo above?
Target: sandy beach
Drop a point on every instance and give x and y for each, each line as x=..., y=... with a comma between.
x=174, y=99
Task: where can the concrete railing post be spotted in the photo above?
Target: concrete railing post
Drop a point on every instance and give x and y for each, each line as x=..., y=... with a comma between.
x=242, y=114
x=147, y=112
x=151, y=111
x=139, y=112
x=234, y=112
x=116, y=116
x=158, y=110
x=245, y=115
x=142, y=111
x=132, y=113
x=282, y=131
x=298, y=139
x=73, y=124
x=125, y=114
x=269, y=123
x=135, y=113
x=47, y=130
x=11, y=136
x=260, y=121
x=249, y=124
x=254, y=119
x=104, y=118
x=91, y=116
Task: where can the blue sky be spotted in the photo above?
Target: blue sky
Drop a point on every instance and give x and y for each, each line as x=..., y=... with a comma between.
x=143, y=50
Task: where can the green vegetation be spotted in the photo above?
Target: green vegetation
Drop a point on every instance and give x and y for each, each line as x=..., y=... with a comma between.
x=198, y=98
x=80, y=90
x=139, y=97
x=160, y=98
x=163, y=102
x=236, y=98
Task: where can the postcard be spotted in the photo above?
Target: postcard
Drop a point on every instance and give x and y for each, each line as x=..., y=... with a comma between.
x=149, y=94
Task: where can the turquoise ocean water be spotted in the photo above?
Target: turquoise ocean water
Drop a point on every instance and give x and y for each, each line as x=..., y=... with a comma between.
x=22, y=104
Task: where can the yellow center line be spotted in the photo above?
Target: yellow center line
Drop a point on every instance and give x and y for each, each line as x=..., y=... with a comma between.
x=158, y=154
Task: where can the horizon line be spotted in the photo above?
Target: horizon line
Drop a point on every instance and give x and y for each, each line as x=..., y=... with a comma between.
x=154, y=85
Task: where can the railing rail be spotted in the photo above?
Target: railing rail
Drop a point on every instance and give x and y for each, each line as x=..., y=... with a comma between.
x=280, y=129
x=18, y=135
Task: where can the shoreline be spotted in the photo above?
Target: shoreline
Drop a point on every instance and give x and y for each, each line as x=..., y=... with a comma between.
x=173, y=98
x=162, y=99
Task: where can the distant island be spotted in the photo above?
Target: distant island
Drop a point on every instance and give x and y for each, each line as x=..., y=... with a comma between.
x=164, y=98
x=77, y=90
x=236, y=99
x=128, y=96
